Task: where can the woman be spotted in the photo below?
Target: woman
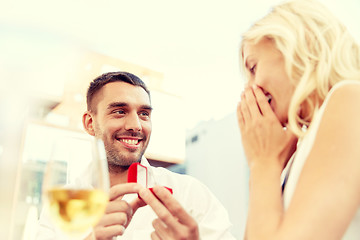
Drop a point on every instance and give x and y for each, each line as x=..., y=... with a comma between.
x=302, y=97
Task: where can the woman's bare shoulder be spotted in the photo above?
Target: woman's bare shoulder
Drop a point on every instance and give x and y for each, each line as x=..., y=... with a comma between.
x=343, y=96
x=345, y=87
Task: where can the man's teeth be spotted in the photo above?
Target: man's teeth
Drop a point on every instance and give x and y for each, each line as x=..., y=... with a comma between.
x=130, y=141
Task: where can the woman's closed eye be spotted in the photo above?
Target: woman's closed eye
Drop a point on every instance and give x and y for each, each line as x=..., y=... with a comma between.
x=252, y=69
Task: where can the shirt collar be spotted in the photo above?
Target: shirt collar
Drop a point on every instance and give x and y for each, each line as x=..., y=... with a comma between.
x=145, y=162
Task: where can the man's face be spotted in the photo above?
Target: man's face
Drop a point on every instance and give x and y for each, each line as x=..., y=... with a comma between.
x=123, y=122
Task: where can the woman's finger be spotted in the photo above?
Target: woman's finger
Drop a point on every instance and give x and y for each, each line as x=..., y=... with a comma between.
x=252, y=103
x=245, y=113
x=262, y=102
x=240, y=117
x=155, y=236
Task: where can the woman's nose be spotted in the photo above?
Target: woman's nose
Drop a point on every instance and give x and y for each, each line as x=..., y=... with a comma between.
x=249, y=83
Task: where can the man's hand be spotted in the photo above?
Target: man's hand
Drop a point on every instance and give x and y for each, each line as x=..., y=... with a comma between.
x=173, y=222
x=118, y=213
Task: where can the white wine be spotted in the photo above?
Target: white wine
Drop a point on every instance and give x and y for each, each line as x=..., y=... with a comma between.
x=76, y=211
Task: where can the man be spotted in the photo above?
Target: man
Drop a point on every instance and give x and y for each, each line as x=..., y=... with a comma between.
x=119, y=112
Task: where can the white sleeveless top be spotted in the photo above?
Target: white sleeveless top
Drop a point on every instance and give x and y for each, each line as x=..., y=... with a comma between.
x=295, y=165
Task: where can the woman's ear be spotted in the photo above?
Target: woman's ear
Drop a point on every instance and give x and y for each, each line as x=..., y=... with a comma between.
x=88, y=123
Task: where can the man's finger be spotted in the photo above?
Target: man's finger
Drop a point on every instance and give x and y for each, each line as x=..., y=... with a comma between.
x=159, y=208
x=119, y=190
x=173, y=206
x=136, y=204
x=119, y=218
x=110, y=231
x=118, y=206
x=160, y=228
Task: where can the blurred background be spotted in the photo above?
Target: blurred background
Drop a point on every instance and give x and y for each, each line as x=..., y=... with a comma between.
x=187, y=53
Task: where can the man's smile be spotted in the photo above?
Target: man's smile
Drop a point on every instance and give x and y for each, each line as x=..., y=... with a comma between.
x=130, y=142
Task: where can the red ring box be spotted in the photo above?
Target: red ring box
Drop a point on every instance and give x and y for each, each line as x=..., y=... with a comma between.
x=138, y=173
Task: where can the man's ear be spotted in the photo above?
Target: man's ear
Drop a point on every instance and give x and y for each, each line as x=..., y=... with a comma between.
x=88, y=123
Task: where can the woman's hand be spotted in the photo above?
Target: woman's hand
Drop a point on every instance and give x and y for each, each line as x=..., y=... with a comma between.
x=264, y=139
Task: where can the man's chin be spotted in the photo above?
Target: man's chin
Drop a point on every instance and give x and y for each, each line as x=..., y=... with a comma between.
x=119, y=159
x=125, y=162
x=116, y=166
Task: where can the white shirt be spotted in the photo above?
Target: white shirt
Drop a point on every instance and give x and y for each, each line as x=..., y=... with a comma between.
x=194, y=197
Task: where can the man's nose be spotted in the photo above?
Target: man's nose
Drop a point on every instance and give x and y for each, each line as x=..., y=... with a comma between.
x=132, y=122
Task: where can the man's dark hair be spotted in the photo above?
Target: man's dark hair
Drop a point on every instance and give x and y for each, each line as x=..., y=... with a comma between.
x=106, y=78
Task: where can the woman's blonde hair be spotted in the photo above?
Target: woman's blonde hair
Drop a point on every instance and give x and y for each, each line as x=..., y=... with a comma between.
x=318, y=52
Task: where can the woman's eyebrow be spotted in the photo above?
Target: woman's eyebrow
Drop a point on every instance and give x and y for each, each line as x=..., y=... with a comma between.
x=247, y=61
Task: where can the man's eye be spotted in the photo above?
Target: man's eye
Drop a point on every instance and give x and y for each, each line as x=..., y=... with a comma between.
x=119, y=112
x=144, y=114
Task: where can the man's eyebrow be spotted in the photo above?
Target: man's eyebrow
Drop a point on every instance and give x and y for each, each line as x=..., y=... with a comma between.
x=146, y=107
x=123, y=104
x=117, y=104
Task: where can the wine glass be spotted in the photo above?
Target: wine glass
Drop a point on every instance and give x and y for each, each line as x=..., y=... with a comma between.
x=76, y=185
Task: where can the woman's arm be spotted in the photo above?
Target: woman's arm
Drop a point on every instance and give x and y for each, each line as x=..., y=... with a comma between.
x=327, y=194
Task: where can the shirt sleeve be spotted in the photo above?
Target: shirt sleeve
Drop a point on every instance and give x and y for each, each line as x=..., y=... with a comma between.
x=45, y=229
